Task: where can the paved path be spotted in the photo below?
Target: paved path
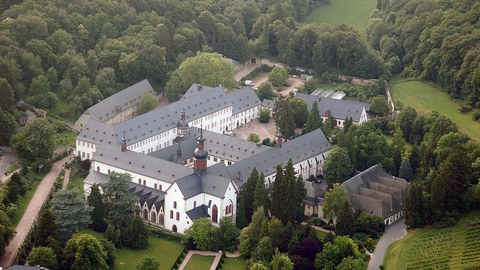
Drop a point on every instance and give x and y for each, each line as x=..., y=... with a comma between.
x=5, y=160
x=218, y=256
x=31, y=213
x=392, y=233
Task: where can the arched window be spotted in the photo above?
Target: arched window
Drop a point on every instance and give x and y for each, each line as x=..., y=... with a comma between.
x=171, y=214
x=194, y=204
x=139, y=181
x=174, y=228
x=160, y=219
x=145, y=214
x=153, y=217
x=155, y=185
x=178, y=216
x=214, y=213
x=144, y=182
x=175, y=205
x=160, y=187
x=98, y=168
x=108, y=171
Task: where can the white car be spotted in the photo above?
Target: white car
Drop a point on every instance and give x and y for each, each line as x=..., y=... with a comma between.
x=249, y=83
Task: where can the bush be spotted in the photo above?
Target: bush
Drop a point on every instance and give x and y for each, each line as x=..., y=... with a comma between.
x=465, y=109
x=476, y=115
x=264, y=115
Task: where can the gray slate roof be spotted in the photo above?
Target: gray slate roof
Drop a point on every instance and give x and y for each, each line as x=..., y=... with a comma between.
x=209, y=183
x=25, y=267
x=139, y=163
x=339, y=109
x=377, y=192
x=216, y=144
x=300, y=148
x=195, y=89
x=120, y=101
x=268, y=103
x=165, y=118
x=99, y=133
x=198, y=212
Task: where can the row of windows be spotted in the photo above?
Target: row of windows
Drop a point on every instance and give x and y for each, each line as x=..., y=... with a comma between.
x=177, y=215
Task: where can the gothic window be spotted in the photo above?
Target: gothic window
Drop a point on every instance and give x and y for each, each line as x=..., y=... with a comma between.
x=175, y=205
x=171, y=214
x=214, y=213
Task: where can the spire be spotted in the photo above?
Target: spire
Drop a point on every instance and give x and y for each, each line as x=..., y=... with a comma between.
x=123, y=143
x=200, y=154
x=182, y=125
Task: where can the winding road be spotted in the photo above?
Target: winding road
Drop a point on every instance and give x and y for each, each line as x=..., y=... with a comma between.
x=392, y=233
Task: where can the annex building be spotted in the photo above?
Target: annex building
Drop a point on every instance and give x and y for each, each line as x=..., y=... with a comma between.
x=183, y=166
x=378, y=192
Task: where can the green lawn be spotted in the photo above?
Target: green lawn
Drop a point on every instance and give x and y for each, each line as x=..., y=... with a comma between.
x=426, y=98
x=199, y=262
x=64, y=138
x=456, y=247
x=77, y=181
x=234, y=263
x=165, y=251
x=354, y=13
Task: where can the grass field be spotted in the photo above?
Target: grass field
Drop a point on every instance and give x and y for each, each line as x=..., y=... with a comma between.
x=354, y=13
x=77, y=181
x=165, y=251
x=198, y=262
x=234, y=263
x=456, y=247
x=64, y=138
x=426, y=98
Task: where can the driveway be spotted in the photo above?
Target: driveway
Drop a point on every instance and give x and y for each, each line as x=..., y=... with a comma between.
x=393, y=232
x=31, y=213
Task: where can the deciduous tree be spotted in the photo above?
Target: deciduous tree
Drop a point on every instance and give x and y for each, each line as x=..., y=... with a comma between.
x=314, y=120
x=227, y=234
x=379, y=106
x=84, y=253
x=148, y=262
x=337, y=167
x=43, y=256
x=278, y=76
x=148, y=102
x=203, y=233
x=335, y=198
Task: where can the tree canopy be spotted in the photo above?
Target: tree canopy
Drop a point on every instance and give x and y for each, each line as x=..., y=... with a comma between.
x=205, y=68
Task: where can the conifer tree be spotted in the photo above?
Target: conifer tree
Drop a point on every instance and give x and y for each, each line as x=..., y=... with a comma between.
x=314, y=120
x=277, y=193
x=241, y=220
x=248, y=194
x=46, y=227
x=405, y=170
x=415, y=207
x=98, y=210
x=261, y=195
x=345, y=220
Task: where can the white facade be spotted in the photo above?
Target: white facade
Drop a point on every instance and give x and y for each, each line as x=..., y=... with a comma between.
x=217, y=121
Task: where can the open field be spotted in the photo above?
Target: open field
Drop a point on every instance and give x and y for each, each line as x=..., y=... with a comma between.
x=447, y=248
x=165, y=251
x=426, y=98
x=199, y=262
x=234, y=263
x=354, y=13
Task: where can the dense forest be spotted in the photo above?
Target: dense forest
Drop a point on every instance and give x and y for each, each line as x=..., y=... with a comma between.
x=435, y=40
x=83, y=51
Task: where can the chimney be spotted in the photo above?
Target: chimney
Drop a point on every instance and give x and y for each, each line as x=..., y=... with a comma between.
x=279, y=141
x=199, y=87
x=123, y=143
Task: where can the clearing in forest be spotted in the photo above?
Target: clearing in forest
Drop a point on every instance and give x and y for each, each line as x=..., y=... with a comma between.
x=445, y=248
x=426, y=98
x=354, y=13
